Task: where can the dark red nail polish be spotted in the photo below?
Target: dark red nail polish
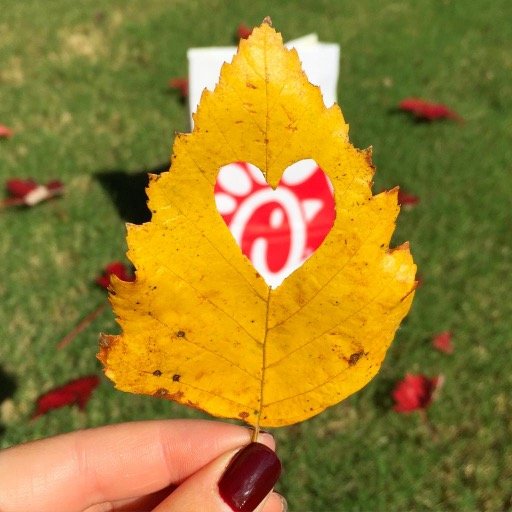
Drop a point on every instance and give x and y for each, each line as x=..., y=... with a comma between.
x=249, y=477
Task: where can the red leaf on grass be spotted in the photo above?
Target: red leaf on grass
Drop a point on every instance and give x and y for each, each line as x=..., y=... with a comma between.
x=5, y=132
x=415, y=392
x=76, y=392
x=407, y=199
x=443, y=342
x=428, y=111
x=117, y=268
x=20, y=188
x=243, y=31
x=180, y=84
x=29, y=192
x=54, y=185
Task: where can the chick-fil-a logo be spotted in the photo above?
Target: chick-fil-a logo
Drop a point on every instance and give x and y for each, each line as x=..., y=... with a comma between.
x=276, y=229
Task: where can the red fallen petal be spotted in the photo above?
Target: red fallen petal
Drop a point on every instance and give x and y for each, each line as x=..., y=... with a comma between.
x=117, y=268
x=29, y=193
x=103, y=281
x=414, y=392
x=407, y=199
x=55, y=185
x=20, y=188
x=76, y=392
x=5, y=132
x=427, y=110
x=443, y=342
x=180, y=84
x=243, y=31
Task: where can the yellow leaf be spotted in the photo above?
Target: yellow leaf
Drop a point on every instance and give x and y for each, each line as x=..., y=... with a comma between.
x=200, y=326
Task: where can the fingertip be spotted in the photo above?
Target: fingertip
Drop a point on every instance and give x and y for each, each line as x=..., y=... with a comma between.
x=249, y=477
x=240, y=480
x=275, y=503
x=267, y=439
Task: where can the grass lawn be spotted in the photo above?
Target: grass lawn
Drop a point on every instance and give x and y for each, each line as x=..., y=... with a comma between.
x=84, y=87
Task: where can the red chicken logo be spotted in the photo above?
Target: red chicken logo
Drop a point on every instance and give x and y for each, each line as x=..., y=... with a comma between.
x=276, y=229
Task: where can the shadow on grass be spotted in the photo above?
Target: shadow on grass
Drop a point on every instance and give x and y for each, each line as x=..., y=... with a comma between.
x=127, y=189
x=383, y=397
x=7, y=389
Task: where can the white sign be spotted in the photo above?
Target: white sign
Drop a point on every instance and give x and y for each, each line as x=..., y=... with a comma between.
x=320, y=62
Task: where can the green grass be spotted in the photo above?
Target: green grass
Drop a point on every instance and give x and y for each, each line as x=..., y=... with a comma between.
x=84, y=87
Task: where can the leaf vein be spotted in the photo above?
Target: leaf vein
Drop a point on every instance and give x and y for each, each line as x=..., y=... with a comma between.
x=323, y=287
x=311, y=340
x=201, y=347
x=216, y=306
x=216, y=249
x=245, y=406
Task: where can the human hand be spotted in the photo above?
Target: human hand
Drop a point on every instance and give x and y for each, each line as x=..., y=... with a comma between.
x=159, y=466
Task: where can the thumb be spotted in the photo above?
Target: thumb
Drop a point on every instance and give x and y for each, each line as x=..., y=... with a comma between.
x=239, y=481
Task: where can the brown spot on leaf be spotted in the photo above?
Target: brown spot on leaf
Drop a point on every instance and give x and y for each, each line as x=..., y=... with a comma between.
x=106, y=340
x=157, y=373
x=175, y=396
x=161, y=393
x=354, y=358
x=176, y=377
x=368, y=153
x=243, y=415
x=180, y=334
x=106, y=343
x=251, y=86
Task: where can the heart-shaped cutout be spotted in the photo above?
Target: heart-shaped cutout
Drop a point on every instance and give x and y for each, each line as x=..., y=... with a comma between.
x=276, y=229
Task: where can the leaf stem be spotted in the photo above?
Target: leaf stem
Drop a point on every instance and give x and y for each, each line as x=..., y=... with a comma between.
x=255, y=433
x=263, y=366
x=82, y=325
x=12, y=201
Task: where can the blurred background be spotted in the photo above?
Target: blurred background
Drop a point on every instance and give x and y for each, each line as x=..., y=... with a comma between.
x=84, y=90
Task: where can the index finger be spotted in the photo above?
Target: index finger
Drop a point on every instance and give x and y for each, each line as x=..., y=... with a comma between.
x=73, y=471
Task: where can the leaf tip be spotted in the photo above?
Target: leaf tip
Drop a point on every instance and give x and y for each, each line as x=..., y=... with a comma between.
x=267, y=21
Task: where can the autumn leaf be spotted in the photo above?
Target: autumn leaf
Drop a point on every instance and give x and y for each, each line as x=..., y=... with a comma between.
x=17, y=187
x=116, y=268
x=200, y=325
x=179, y=84
x=443, y=342
x=76, y=392
x=243, y=31
x=427, y=110
x=27, y=192
x=415, y=392
x=407, y=199
x=5, y=132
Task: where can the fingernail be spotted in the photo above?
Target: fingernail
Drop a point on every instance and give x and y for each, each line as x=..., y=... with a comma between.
x=249, y=477
x=284, y=503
